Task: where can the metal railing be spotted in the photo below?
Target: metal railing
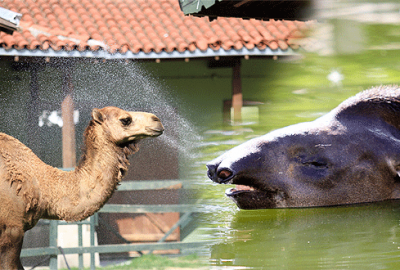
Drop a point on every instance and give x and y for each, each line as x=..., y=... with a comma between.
x=186, y=210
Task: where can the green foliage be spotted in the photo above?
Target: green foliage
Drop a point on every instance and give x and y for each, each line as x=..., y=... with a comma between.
x=161, y=262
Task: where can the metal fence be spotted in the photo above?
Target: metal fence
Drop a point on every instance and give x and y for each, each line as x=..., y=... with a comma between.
x=186, y=210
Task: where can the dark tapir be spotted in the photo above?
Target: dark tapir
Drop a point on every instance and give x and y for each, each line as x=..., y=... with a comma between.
x=351, y=155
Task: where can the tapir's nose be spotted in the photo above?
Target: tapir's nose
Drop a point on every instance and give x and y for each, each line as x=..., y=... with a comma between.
x=218, y=175
x=211, y=171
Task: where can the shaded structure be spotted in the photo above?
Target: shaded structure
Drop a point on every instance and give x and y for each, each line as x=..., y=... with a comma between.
x=249, y=9
x=9, y=20
x=66, y=37
x=151, y=30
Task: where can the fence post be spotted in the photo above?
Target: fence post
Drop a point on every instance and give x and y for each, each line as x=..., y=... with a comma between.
x=80, y=244
x=53, y=243
x=92, y=241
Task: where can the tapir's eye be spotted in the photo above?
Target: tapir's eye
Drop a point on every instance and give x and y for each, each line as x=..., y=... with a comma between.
x=315, y=162
x=318, y=164
x=126, y=121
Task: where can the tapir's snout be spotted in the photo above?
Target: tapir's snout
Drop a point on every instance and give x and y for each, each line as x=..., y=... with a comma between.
x=217, y=174
x=211, y=171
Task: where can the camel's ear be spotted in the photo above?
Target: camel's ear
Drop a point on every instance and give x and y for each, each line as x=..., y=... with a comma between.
x=97, y=116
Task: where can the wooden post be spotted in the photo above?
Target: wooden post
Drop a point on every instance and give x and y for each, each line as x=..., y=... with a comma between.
x=226, y=111
x=67, y=113
x=33, y=131
x=237, y=96
x=53, y=239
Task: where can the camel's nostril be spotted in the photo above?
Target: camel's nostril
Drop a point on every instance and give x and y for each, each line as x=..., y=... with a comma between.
x=224, y=174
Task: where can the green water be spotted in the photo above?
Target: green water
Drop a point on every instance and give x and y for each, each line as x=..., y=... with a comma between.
x=352, y=237
x=362, y=237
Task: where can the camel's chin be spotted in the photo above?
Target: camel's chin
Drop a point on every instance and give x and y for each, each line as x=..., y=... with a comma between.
x=133, y=146
x=248, y=198
x=130, y=147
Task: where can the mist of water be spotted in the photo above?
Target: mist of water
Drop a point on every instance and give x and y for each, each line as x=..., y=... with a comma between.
x=130, y=87
x=96, y=84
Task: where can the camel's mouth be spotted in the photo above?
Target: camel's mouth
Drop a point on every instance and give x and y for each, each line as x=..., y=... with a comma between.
x=138, y=137
x=155, y=132
x=132, y=143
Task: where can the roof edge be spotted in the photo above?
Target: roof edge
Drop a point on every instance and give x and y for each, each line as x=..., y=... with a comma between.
x=141, y=55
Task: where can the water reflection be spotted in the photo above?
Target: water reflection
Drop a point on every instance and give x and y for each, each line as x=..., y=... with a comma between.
x=352, y=237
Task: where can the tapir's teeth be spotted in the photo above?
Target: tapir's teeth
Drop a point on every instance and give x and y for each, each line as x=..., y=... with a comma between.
x=238, y=189
x=242, y=187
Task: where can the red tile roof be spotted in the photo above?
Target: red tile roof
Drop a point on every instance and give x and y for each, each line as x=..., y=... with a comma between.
x=149, y=26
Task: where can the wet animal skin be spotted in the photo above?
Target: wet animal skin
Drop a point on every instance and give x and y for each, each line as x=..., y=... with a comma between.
x=350, y=155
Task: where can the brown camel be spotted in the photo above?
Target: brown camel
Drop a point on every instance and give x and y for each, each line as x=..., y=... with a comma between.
x=31, y=190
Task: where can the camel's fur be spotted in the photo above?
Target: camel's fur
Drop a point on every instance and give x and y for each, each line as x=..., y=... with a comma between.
x=31, y=190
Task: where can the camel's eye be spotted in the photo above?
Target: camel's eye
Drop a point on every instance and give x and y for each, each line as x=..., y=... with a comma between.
x=126, y=121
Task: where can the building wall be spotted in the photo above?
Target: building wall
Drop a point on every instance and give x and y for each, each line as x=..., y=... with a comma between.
x=188, y=96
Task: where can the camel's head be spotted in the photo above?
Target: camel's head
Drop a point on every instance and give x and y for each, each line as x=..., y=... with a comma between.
x=127, y=128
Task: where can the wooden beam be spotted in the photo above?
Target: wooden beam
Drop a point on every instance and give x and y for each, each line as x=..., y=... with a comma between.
x=67, y=113
x=33, y=111
x=149, y=237
x=237, y=96
x=241, y=3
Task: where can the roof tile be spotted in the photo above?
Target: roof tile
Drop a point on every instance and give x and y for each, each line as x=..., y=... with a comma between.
x=138, y=25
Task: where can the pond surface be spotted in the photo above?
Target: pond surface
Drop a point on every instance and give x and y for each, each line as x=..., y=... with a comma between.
x=359, y=237
x=349, y=237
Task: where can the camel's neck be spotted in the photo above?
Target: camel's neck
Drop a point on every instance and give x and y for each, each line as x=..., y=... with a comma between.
x=95, y=179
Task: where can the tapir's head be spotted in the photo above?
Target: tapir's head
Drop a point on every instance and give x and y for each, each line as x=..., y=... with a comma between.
x=351, y=155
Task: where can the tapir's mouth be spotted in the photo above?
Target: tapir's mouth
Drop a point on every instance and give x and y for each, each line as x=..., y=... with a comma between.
x=239, y=189
x=248, y=195
x=249, y=192
x=250, y=198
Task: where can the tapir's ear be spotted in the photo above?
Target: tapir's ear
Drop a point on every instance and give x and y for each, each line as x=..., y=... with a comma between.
x=380, y=102
x=98, y=116
x=394, y=165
